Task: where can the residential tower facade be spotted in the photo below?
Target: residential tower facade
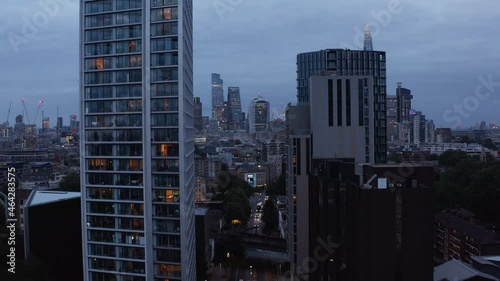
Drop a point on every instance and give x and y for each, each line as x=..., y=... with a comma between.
x=137, y=148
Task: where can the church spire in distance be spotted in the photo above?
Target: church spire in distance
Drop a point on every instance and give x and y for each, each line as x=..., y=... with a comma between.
x=368, y=46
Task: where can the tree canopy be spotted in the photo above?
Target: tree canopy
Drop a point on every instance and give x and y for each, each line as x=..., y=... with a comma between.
x=70, y=183
x=471, y=184
x=200, y=152
x=278, y=187
x=236, y=206
x=235, y=193
x=451, y=157
x=270, y=216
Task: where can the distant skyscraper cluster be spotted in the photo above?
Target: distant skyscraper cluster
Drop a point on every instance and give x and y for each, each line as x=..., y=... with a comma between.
x=227, y=114
x=258, y=115
x=406, y=126
x=217, y=96
x=234, y=102
x=198, y=114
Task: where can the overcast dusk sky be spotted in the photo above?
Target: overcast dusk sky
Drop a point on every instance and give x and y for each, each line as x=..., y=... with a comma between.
x=438, y=49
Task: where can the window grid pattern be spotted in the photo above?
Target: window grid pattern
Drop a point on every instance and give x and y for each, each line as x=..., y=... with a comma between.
x=113, y=108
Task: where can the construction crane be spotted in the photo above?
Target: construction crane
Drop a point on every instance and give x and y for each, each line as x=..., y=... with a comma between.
x=40, y=104
x=8, y=114
x=26, y=111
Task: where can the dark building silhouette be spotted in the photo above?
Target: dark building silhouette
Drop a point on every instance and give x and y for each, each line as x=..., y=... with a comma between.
x=19, y=119
x=392, y=118
x=444, y=135
x=53, y=233
x=198, y=114
x=217, y=95
x=404, y=98
x=376, y=220
x=203, y=250
x=234, y=99
x=59, y=123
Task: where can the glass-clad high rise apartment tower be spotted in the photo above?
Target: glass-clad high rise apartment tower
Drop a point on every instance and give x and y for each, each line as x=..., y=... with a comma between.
x=344, y=62
x=137, y=151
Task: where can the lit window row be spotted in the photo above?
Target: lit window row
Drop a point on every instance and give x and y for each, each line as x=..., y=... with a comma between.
x=165, y=270
x=159, y=150
x=118, y=165
x=108, y=48
x=115, y=208
x=113, y=62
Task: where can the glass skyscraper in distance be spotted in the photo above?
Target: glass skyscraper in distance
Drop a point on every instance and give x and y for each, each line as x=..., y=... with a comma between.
x=137, y=147
x=217, y=96
x=258, y=115
x=234, y=99
x=198, y=114
x=404, y=98
x=368, y=44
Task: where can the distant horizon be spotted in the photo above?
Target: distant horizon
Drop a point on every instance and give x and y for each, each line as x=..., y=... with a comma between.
x=440, y=51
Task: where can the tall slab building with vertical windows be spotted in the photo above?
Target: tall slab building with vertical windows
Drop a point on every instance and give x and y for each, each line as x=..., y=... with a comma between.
x=137, y=149
x=234, y=99
x=345, y=62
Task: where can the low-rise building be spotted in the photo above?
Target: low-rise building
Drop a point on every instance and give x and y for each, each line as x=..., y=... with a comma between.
x=483, y=268
x=460, y=236
x=472, y=149
x=53, y=233
x=200, y=190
